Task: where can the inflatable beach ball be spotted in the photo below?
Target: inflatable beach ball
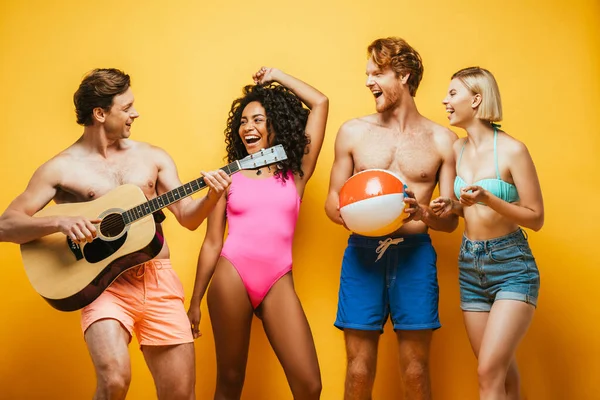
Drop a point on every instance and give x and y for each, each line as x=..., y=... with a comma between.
x=372, y=202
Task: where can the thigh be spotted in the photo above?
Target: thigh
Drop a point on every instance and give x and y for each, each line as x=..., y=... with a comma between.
x=107, y=341
x=173, y=370
x=475, y=323
x=413, y=288
x=414, y=346
x=288, y=330
x=362, y=302
x=507, y=324
x=361, y=347
x=230, y=315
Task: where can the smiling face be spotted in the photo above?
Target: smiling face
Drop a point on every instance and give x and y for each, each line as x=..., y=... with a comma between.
x=461, y=104
x=253, y=127
x=122, y=113
x=385, y=86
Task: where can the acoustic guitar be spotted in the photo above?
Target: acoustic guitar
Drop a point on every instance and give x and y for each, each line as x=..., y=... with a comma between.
x=69, y=276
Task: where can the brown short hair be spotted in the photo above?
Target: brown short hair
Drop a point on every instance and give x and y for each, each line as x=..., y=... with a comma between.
x=481, y=81
x=400, y=57
x=97, y=89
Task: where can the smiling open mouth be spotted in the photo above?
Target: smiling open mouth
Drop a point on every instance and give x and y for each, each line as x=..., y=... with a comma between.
x=252, y=139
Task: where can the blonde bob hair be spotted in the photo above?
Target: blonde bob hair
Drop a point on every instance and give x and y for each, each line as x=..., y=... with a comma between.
x=481, y=81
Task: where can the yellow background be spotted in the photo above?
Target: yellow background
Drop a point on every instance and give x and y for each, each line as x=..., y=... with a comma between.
x=188, y=61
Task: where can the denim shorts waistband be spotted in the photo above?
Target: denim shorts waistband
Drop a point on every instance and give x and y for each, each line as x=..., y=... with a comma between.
x=516, y=237
x=374, y=242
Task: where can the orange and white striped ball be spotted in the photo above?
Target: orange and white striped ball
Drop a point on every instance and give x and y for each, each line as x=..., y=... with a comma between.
x=372, y=202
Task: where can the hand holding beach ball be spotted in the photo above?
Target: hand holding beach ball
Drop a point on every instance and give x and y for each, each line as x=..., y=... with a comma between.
x=372, y=202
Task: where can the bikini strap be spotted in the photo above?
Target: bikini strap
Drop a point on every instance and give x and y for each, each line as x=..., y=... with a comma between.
x=461, y=154
x=496, y=150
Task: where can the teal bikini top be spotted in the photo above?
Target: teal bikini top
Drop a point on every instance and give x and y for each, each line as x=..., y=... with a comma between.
x=496, y=186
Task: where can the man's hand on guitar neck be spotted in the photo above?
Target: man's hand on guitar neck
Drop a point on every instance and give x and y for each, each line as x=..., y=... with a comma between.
x=217, y=181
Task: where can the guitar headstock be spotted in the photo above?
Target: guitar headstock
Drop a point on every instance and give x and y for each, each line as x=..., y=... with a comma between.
x=264, y=157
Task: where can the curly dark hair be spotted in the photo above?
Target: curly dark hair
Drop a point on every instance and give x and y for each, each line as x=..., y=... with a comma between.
x=286, y=124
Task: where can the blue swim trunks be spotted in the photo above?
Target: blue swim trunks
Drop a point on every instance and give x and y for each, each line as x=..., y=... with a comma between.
x=389, y=276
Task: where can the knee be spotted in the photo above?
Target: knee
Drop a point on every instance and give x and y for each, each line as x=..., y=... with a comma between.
x=358, y=371
x=182, y=392
x=114, y=377
x=311, y=388
x=181, y=388
x=415, y=373
x=490, y=375
x=231, y=380
x=315, y=389
x=114, y=384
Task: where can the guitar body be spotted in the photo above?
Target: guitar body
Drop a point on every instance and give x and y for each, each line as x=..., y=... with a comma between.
x=68, y=276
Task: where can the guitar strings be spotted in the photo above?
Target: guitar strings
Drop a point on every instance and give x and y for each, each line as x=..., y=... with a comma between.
x=200, y=182
x=112, y=225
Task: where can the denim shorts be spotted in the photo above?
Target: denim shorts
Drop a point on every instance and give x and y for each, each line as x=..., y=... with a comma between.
x=497, y=269
x=401, y=284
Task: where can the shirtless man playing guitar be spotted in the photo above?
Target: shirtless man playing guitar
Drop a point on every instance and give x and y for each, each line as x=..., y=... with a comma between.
x=146, y=299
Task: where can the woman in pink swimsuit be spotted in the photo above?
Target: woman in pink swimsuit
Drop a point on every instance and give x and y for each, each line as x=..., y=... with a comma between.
x=251, y=270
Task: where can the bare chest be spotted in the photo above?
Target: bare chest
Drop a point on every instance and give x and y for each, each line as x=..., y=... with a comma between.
x=413, y=157
x=89, y=180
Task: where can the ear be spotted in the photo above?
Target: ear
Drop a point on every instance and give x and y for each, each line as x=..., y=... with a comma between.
x=99, y=114
x=476, y=101
x=404, y=78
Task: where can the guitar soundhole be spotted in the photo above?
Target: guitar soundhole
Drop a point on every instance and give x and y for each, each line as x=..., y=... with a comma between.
x=112, y=225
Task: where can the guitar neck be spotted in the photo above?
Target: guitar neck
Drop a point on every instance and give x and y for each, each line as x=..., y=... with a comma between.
x=172, y=196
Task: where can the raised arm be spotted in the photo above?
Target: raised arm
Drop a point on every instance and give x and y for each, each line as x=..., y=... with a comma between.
x=207, y=261
x=189, y=212
x=17, y=223
x=318, y=104
x=341, y=170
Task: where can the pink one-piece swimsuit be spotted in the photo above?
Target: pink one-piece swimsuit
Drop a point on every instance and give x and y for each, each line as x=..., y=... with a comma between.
x=262, y=215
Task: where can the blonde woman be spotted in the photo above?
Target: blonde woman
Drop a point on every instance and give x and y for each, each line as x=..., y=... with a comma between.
x=497, y=192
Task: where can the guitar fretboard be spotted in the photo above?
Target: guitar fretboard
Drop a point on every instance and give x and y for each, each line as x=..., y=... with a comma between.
x=172, y=196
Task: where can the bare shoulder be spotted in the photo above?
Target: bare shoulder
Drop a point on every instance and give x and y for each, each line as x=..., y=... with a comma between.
x=146, y=150
x=459, y=144
x=442, y=134
x=443, y=137
x=352, y=130
x=61, y=164
x=356, y=126
x=137, y=146
x=511, y=146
